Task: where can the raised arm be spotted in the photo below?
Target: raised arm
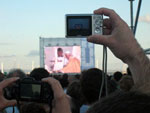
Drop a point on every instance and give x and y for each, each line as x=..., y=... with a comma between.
x=121, y=41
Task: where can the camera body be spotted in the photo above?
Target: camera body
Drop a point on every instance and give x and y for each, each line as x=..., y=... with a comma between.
x=82, y=25
x=28, y=89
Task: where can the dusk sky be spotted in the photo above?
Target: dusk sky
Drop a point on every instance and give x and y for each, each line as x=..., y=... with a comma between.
x=22, y=22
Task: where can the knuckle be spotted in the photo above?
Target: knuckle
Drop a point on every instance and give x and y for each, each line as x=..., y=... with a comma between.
x=112, y=11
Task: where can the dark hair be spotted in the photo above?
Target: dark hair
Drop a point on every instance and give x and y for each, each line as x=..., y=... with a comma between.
x=16, y=73
x=39, y=73
x=59, y=49
x=117, y=76
x=32, y=108
x=91, y=81
x=64, y=81
x=77, y=76
x=90, y=84
x=74, y=90
x=77, y=98
x=123, y=102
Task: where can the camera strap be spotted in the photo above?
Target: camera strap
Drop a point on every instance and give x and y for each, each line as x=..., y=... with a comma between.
x=104, y=85
x=18, y=104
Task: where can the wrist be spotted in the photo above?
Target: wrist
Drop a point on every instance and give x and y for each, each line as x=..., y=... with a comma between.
x=135, y=52
x=139, y=65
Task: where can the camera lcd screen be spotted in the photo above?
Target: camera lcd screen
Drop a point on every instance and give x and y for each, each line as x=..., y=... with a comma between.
x=79, y=26
x=30, y=91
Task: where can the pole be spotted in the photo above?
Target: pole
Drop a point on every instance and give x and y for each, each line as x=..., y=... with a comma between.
x=131, y=14
x=137, y=16
x=2, y=67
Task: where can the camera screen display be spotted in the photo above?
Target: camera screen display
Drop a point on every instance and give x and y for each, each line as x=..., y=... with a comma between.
x=30, y=91
x=79, y=26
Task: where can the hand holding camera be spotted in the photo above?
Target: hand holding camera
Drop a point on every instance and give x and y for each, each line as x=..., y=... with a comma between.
x=3, y=101
x=48, y=91
x=30, y=90
x=117, y=35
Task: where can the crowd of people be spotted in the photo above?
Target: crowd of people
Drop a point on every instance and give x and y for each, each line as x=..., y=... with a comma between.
x=82, y=90
x=127, y=93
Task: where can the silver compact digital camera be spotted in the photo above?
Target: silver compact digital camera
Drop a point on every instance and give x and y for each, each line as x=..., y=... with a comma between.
x=82, y=25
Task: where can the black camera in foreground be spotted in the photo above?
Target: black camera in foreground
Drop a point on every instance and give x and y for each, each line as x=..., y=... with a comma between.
x=82, y=25
x=28, y=89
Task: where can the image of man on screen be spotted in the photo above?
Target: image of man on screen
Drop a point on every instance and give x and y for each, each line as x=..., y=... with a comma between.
x=73, y=64
x=59, y=60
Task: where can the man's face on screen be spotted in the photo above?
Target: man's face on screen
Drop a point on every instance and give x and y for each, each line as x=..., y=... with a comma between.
x=68, y=56
x=60, y=53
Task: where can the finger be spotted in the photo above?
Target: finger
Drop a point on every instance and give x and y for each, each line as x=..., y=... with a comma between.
x=7, y=82
x=107, y=12
x=53, y=82
x=107, y=23
x=98, y=39
x=107, y=31
x=56, y=87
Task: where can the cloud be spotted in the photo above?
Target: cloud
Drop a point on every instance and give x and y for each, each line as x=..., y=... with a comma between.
x=7, y=56
x=33, y=53
x=145, y=19
x=5, y=44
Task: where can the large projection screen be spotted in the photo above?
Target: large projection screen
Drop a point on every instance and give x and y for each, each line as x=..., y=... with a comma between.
x=66, y=55
x=62, y=59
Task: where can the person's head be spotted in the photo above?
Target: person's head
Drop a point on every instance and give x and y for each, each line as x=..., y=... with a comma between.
x=39, y=73
x=65, y=76
x=60, y=52
x=122, y=102
x=74, y=90
x=16, y=73
x=32, y=108
x=78, y=76
x=64, y=81
x=117, y=76
x=67, y=54
x=13, y=73
x=91, y=81
x=77, y=99
x=72, y=78
x=90, y=84
x=126, y=83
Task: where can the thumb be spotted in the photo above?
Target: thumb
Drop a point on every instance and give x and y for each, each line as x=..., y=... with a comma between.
x=98, y=39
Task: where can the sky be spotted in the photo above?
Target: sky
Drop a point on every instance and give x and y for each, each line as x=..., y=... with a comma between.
x=22, y=22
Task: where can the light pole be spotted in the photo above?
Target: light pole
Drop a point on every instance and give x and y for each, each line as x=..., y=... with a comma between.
x=134, y=26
